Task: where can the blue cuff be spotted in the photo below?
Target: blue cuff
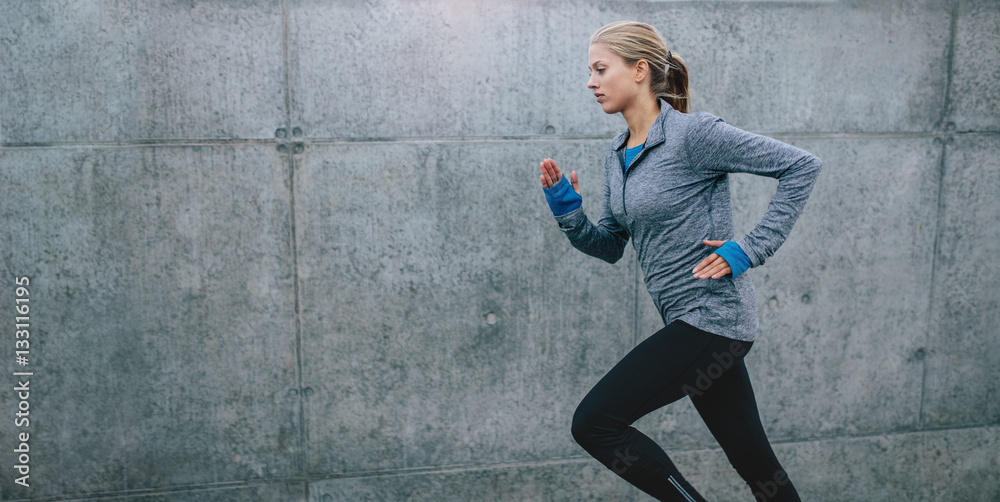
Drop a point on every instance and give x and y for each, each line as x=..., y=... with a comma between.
x=738, y=261
x=562, y=198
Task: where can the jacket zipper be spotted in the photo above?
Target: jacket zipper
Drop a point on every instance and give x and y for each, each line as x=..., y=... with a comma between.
x=621, y=158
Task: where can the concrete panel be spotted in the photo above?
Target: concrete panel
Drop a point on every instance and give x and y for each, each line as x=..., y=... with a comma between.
x=405, y=251
x=975, y=96
x=957, y=464
x=260, y=492
x=949, y=465
x=404, y=69
x=163, y=339
x=840, y=338
x=108, y=70
x=839, y=66
x=565, y=480
x=843, y=304
x=443, y=68
x=963, y=366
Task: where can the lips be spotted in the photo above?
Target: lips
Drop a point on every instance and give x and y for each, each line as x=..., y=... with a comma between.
x=598, y=96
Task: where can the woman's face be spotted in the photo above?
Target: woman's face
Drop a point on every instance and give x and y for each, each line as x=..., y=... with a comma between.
x=613, y=81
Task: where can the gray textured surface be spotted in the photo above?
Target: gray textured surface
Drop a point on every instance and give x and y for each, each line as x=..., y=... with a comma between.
x=965, y=325
x=256, y=491
x=975, y=95
x=959, y=464
x=129, y=69
x=164, y=341
x=429, y=371
x=557, y=480
x=453, y=68
x=391, y=314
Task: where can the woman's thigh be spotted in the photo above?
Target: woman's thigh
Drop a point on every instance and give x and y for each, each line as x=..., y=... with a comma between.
x=676, y=361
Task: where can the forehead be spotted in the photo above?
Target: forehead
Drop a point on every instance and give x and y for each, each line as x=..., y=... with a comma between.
x=600, y=53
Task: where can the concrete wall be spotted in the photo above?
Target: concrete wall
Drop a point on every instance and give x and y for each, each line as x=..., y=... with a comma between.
x=296, y=250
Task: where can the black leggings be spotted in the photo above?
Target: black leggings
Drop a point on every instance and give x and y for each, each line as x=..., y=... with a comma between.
x=676, y=361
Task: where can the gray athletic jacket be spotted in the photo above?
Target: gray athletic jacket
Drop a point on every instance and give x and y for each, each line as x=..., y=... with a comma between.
x=676, y=193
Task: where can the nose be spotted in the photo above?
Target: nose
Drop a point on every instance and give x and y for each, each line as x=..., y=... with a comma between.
x=591, y=84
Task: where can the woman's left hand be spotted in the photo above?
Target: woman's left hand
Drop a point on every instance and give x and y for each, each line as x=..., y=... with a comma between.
x=713, y=266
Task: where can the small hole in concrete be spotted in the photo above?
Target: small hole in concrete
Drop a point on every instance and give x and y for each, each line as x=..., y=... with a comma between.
x=491, y=318
x=280, y=133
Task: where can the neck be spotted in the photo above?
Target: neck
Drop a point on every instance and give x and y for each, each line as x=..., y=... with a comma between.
x=640, y=117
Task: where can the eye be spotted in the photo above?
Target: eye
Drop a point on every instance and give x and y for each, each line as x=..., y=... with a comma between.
x=600, y=71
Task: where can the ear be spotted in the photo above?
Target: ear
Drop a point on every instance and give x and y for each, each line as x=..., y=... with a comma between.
x=641, y=70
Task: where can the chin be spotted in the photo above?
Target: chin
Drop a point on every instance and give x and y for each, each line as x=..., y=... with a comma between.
x=609, y=109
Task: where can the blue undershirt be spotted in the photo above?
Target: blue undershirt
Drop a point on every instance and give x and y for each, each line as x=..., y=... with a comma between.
x=630, y=154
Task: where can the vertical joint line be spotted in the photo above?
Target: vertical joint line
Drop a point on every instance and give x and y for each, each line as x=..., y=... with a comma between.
x=294, y=249
x=946, y=137
x=950, y=62
x=929, y=322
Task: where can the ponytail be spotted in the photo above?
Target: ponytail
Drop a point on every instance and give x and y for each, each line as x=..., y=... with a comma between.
x=633, y=41
x=675, y=84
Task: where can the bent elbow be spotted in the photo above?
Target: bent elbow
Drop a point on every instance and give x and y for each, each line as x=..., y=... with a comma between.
x=615, y=254
x=813, y=164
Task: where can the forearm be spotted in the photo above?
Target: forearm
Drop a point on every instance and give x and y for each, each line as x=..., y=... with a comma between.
x=598, y=240
x=794, y=188
x=722, y=148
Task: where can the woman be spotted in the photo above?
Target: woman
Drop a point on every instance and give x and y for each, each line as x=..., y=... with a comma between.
x=666, y=188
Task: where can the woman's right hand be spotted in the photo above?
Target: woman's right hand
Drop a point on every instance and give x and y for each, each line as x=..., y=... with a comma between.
x=551, y=175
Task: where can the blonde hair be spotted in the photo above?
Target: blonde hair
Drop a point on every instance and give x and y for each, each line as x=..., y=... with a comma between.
x=633, y=41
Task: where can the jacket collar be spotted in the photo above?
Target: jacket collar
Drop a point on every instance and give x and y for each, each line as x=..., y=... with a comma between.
x=655, y=135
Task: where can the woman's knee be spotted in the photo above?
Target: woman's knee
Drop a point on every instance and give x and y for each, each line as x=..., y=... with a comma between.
x=590, y=424
x=581, y=425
